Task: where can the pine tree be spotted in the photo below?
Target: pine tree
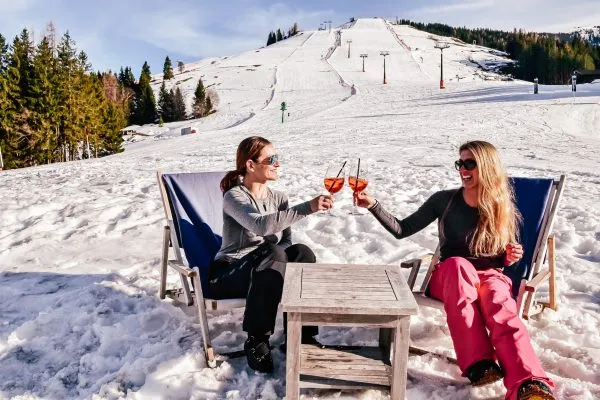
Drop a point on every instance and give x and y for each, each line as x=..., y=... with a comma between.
x=126, y=78
x=53, y=107
x=180, y=66
x=20, y=71
x=21, y=58
x=67, y=92
x=279, y=35
x=44, y=104
x=167, y=69
x=113, y=117
x=271, y=39
x=165, y=104
x=145, y=104
x=295, y=29
x=199, y=106
x=127, y=82
x=6, y=111
x=180, y=113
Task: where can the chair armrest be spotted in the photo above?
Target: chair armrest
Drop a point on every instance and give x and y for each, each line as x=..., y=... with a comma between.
x=425, y=259
x=415, y=266
x=182, y=268
x=538, y=279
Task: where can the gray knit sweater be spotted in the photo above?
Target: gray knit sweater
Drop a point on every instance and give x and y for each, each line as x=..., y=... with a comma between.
x=248, y=221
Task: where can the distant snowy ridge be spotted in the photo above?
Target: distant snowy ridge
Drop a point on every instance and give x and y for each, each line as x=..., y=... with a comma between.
x=592, y=35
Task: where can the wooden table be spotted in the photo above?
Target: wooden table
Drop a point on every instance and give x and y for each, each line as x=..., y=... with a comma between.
x=347, y=295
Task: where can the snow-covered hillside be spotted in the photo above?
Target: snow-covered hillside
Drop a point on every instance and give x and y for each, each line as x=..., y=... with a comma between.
x=591, y=34
x=259, y=80
x=80, y=241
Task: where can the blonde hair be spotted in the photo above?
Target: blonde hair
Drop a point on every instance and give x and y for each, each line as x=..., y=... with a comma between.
x=498, y=216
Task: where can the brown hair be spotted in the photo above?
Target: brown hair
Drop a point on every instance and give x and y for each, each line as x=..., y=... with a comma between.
x=248, y=149
x=498, y=215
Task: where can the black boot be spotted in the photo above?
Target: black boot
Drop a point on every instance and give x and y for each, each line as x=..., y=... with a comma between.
x=258, y=354
x=535, y=390
x=484, y=372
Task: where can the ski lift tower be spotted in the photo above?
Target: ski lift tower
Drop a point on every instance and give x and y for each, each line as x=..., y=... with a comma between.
x=349, y=41
x=441, y=46
x=283, y=108
x=384, y=54
x=363, y=56
x=328, y=22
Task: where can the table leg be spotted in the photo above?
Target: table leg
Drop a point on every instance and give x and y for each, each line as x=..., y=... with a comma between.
x=400, y=358
x=292, y=364
x=385, y=340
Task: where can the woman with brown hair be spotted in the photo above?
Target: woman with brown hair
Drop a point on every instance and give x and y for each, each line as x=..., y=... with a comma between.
x=478, y=230
x=257, y=245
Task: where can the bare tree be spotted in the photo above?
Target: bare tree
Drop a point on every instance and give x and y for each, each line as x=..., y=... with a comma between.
x=212, y=100
x=51, y=35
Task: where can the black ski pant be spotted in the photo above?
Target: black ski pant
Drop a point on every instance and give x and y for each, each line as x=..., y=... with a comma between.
x=258, y=276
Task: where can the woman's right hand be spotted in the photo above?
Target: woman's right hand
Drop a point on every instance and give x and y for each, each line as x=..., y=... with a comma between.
x=362, y=199
x=321, y=203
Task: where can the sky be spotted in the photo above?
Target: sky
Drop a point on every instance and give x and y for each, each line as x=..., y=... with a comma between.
x=117, y=33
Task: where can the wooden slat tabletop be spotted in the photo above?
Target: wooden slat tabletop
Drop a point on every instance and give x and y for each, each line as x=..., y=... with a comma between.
x=347, y=289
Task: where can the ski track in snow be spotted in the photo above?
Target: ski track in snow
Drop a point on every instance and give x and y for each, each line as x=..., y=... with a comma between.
x=80, y=241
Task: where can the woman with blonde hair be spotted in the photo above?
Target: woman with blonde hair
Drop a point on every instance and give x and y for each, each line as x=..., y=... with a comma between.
x=478, y=230
x=257, y=245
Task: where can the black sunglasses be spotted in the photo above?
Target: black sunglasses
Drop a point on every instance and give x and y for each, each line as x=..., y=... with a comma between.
x=469, y=164
x=272, y=160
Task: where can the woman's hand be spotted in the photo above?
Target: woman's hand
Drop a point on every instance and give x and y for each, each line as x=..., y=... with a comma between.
x=362, y=199
x=322, y=202
x=514, y=252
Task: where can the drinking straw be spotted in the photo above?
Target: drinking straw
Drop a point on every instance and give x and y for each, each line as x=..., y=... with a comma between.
x=357, y=173
x=338, y=175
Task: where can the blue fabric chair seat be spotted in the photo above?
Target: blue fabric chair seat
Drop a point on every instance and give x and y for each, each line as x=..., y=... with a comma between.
x=531, y=197
x=197, y=206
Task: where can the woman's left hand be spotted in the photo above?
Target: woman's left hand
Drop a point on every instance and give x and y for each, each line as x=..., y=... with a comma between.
x=514, y=252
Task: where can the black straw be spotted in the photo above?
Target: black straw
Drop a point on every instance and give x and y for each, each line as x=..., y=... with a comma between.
x=357, y=174
x=338, y=175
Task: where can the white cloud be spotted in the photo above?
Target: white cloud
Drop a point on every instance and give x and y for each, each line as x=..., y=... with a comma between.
x=453, y=7
x=8, y=7
x=276, y=16
x=569, y=23
x=183, y=31
x=530, y=15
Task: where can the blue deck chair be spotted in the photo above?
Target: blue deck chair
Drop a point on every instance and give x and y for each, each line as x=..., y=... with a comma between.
x=537, y=201
x=193, y=205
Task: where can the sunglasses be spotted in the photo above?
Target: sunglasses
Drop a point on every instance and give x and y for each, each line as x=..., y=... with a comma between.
x=272, y=160
x=469, y=164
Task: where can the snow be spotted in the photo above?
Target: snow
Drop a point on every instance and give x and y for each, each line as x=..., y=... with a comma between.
x=80, y=241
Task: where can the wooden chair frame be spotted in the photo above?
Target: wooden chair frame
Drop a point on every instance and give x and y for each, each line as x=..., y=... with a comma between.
x=184, y=294
x=543, y=268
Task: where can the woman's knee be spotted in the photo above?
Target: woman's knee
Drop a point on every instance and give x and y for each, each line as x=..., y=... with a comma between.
x=300, y=253
x=276, y=253
x=495, y=295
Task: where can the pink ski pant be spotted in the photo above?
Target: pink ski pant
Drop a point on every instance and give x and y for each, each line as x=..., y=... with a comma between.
x=480, y=301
